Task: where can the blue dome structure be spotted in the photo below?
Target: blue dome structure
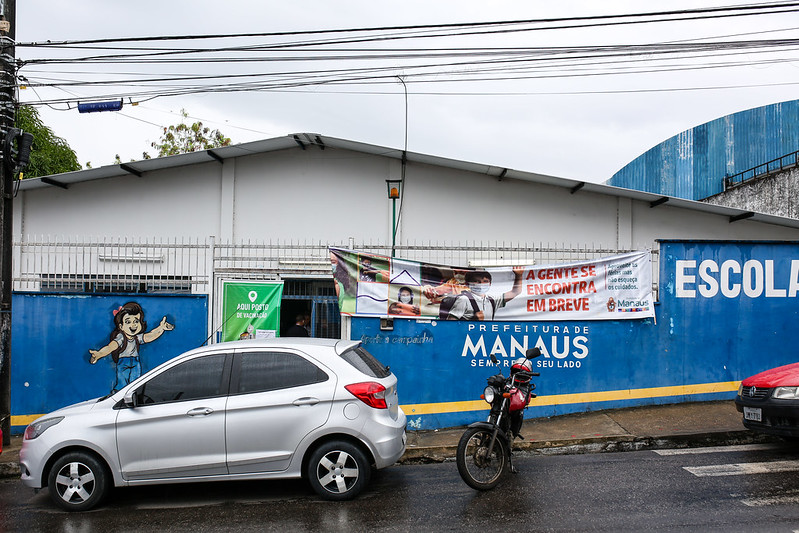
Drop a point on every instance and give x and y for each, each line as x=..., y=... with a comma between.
x=694, y=164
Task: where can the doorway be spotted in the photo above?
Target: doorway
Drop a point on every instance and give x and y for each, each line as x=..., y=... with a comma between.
x=314, y=297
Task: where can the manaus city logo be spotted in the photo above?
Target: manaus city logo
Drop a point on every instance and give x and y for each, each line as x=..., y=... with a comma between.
x=611, y=304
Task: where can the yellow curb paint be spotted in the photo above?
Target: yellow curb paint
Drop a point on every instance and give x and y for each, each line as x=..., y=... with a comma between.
x=582, y=397
x=23, y=420
x=559, y=399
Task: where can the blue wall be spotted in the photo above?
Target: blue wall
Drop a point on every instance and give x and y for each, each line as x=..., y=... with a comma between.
x=52, y=334
x=693, y=164
x=696, y=345
x=726, y=310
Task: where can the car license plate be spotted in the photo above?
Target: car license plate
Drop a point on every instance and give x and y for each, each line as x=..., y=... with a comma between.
x=753, y=413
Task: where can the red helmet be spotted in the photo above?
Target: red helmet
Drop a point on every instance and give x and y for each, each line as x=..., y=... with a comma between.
x=523, y=364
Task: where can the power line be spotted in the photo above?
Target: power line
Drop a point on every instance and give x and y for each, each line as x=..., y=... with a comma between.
x=420, y=65
x=716, y=12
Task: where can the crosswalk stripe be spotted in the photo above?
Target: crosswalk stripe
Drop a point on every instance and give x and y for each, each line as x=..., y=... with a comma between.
x=780, y=499
x=718, y=449
x=739, y=469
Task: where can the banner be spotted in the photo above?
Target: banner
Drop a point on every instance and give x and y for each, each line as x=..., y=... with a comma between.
x=251, y=309
x=612, y=288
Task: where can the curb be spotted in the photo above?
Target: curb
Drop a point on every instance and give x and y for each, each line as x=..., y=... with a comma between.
x=617, y=443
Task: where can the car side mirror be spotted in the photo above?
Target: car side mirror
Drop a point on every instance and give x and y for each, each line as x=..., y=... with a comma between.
x=131, y=398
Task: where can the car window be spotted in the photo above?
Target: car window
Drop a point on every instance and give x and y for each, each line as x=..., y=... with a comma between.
x=265, y=371
x=360, y=358
x=197, y=378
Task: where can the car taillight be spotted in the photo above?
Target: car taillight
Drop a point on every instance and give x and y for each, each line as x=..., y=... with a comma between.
x=371, y=393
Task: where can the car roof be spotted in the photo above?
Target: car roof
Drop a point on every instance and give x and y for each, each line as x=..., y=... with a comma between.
x=279, y=342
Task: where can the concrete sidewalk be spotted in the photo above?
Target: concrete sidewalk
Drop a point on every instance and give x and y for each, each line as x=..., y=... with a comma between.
x=634, y=428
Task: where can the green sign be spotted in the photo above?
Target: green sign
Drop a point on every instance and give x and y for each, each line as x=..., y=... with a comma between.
x=251, y=309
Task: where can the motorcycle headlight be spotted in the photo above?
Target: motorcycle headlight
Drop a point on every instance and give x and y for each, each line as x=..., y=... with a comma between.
x=488, y=394
x=39, y=427
x=786, y=393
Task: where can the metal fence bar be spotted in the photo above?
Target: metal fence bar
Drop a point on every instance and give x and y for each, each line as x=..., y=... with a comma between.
x=75, y=264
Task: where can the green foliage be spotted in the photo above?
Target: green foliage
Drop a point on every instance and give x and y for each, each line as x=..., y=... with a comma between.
x=183, y=138
x=50, y=154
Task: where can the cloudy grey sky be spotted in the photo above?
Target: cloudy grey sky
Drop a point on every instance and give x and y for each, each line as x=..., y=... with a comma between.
x=578, y=114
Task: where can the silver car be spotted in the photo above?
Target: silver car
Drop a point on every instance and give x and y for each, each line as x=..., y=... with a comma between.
x=321, y=409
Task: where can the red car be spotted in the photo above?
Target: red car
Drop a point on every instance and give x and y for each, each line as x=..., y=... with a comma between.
x=769, y=401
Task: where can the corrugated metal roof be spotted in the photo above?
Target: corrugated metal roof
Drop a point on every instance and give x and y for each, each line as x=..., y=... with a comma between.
x=304, y=140
x=693, y=164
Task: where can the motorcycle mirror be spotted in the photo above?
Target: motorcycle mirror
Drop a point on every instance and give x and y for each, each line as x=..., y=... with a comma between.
x=494, y=359
x=532, y=353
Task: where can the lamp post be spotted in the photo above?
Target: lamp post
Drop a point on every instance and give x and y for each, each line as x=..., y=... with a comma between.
x=394, y=190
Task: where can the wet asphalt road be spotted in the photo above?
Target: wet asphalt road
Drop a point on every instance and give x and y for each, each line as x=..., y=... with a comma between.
x=629, y=491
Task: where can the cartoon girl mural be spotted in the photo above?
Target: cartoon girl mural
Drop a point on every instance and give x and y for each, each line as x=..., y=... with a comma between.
x=125, y=341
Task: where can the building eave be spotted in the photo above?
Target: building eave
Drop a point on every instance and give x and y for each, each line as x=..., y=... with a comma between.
x=304, y=141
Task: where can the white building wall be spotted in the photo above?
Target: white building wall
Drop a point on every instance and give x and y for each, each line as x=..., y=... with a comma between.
x=311, y=195
x=664, y=222
x=179, y=202
x=332, y=195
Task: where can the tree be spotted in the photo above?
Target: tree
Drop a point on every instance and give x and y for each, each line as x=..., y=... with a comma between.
x=50, y=154
x=183, y=138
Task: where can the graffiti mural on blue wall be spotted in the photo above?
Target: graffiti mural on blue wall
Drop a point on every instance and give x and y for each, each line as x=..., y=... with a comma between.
x=50, y=364
x=126, y=339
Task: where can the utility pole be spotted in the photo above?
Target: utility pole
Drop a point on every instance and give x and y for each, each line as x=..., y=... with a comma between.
x=8, y=99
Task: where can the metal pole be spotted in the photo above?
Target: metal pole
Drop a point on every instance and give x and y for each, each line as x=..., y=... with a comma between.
x=7, y=112
x=393, y=226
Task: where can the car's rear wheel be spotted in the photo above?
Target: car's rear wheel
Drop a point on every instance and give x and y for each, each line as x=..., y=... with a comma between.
x=78, y=482
x=338, y=470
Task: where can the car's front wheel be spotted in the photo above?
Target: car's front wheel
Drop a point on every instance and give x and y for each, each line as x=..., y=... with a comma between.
x=78, y=482
x=338, y=470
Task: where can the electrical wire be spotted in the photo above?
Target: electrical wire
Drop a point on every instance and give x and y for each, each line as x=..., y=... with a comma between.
x=419, y=65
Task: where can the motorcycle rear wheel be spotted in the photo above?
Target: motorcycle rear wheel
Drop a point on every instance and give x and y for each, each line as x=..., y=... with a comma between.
x=479, y=470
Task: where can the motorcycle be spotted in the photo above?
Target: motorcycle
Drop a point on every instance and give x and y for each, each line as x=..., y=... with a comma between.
x=484, y=450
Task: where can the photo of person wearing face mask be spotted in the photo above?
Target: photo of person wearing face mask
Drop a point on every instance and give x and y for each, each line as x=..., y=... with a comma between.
x=476, y=304
x=454, y=282
x=404, y=304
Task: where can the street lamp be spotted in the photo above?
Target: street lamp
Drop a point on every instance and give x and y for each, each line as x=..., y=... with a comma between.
x=394, y=190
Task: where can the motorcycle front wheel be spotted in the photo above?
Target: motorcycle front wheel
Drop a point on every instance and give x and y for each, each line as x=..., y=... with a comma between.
x=479, y=469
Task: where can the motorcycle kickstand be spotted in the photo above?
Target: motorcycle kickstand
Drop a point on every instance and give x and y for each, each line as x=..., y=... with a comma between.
x=513, y=469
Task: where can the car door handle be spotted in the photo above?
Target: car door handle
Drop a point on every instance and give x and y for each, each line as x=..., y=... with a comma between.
x=305, y=401
x=200, y=411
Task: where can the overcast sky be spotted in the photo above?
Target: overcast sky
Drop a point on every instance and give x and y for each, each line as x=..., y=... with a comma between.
x=580, y=127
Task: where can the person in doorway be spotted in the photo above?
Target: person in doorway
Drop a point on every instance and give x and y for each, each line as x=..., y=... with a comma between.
x=476, y=304
x=126, y=338
x=298, y=329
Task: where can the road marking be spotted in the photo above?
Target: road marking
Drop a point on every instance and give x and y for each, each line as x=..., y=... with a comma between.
x=791, y=497
x=739, y=469
x=718, y=449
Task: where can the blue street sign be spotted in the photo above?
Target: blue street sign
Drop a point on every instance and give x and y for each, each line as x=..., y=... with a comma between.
x=95, y=107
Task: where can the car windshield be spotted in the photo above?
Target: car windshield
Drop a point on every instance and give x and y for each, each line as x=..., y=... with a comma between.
x=361, y=359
